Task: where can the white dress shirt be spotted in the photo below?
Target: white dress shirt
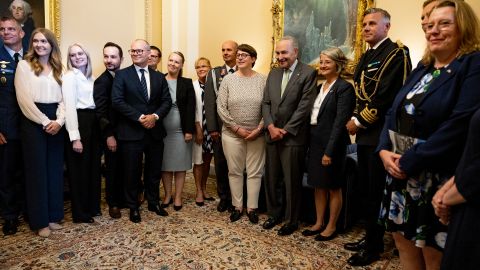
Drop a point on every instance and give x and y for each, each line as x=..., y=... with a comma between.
x=318, y=102
x=31, y=89
x=77, y=94
x=147, y=76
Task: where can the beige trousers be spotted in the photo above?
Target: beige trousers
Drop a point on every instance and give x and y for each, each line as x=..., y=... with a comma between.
x=241, y=155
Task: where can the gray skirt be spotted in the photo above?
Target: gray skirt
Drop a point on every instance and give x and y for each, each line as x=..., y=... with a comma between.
x=177, y=154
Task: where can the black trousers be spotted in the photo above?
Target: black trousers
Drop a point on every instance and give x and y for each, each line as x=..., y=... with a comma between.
x=221, y=172
x=284, y=168
x=43, y=163
x=84, y=168
x=132, y=157
x=114, y=190
x=12, y=182
x=372, y=178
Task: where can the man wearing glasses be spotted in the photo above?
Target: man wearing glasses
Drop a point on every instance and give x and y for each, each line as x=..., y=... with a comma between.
x=141, y=97
x=155, y=57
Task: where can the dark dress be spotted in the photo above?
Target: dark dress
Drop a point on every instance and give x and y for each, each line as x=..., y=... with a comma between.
x=329, y=136
x=463, y=242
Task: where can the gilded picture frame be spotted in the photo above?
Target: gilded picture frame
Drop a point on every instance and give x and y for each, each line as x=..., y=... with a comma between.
x=52, y=16
x=357, y=44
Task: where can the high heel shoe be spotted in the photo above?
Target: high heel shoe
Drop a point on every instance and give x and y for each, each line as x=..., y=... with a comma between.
x=165, y=205
x=200, y=203
x=177, y=207
x=326, y=238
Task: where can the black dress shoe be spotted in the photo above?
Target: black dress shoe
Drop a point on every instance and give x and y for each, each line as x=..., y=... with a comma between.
x=83, y=220
x=235, y=215
x=356, y=246
x=177, y=207
x=135, y=215
x=252, y=216
x=10, y=227
x=308, y=232
x=114, y=212
x=157, y=209
x=326, y=238
x=222, y=206
x=287, y=229
x=363, y=258
x=270, y=223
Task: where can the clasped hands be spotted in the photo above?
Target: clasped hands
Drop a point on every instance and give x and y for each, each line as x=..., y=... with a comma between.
x=246, y=134
x=276, y=134
x=148, y=121
x=391, y=162
x=52, y=128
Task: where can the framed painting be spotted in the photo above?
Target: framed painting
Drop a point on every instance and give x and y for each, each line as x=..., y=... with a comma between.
x=34, y=14
x=320, y=24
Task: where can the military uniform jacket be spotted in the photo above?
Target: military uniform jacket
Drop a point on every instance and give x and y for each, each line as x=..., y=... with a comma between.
x=9, y=110
x=212, y=85
x=378, y=77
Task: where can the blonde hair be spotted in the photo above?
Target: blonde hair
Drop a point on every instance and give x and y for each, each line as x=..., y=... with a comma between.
x=468, y=29
x=180, y=73
x=54, y=59
x=89, y=62
x=202, y=59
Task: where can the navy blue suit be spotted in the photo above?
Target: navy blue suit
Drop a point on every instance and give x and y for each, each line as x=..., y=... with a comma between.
x=11, y=180
x=129, y=101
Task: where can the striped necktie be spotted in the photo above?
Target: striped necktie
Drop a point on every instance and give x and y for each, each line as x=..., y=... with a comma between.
x=143, y=81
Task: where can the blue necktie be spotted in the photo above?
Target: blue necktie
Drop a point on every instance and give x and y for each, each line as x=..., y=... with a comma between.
x=143, y=81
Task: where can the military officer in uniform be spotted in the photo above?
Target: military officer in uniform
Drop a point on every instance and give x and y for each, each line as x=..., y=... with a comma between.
x=378, y=76
x=11, y=178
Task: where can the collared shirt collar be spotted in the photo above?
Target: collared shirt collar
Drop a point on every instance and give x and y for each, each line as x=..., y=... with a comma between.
x=12, y=52
x=137, y=68
x=378, y=43
x=293, y=66
x=112, y=73
x=228, y=68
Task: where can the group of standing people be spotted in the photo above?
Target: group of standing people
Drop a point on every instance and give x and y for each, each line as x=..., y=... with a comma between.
x=411, y=129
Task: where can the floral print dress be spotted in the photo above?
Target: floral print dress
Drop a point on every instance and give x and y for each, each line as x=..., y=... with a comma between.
x=406, y=207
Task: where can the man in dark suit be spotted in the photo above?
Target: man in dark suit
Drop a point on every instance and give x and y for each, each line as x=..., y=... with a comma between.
x=378, y=77
x=214, y=123
x=289, y=94
x=102, y=93
x=141, y=97
x=11, y=180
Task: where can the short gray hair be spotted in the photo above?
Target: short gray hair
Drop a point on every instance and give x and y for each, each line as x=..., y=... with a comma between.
x=385, y=14
x=291, y=39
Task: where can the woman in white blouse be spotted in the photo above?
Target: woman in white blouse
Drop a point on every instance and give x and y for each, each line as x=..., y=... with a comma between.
x=328, y=142
x=39, y=94
x=239, y=105
x=83, y=149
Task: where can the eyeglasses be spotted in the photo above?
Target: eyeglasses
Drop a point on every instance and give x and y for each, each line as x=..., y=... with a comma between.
x=203, y=66
x=242, y=55
x=442, y=25
x=136, y=51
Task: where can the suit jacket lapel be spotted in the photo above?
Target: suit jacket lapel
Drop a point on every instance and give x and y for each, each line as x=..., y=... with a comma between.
x=138, y=83
x=294, y=77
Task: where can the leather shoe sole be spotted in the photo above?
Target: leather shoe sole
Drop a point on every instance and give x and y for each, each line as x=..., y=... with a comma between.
x=270, y=223
x=356, y=246
x=363, y=258
x=287, y=229
x=158, y=210
x=114, y=212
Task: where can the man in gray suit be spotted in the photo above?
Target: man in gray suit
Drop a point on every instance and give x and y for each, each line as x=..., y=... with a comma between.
x=288, y=98
x=214, y=123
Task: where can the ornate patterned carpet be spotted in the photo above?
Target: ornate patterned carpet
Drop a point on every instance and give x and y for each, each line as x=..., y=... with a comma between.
x=192, y=238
